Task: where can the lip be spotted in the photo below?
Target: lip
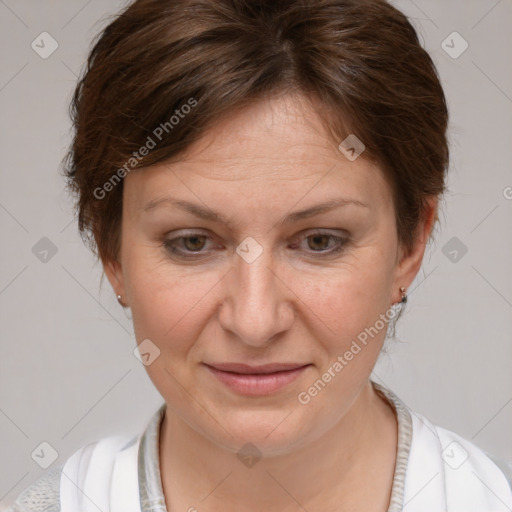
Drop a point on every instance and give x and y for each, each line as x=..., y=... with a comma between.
x=257, y=369
x=256, y=380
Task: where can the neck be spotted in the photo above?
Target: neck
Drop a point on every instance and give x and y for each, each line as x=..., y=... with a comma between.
x=332, y=472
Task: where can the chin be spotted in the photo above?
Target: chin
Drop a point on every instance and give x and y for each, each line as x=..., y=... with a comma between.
x=270, y=433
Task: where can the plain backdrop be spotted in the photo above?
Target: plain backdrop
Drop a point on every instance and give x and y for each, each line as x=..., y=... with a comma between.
x=67, y=370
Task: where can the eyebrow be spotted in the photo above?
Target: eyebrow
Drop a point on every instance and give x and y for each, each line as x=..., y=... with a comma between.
x=209, y=214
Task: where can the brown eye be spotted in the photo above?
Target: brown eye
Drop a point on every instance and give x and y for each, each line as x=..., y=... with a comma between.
x=197, y=242
x=321, y=244
x=318, y=242
x=189, y=246
x=195, y=245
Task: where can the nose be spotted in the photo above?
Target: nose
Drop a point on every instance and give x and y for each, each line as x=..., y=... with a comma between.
x=257, y=304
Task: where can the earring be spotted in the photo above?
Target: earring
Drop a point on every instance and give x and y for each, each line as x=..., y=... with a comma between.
x=404, y=295
x=125, y=307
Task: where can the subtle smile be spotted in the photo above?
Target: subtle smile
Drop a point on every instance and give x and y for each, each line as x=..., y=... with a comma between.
x=256, y=380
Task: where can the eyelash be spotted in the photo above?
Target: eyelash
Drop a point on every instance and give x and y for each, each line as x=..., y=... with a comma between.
x=169, y=245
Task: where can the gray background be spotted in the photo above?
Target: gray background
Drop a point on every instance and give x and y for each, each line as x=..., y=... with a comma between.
x=67, y=371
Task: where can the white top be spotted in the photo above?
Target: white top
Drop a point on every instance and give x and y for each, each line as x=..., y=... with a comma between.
x=435, y=470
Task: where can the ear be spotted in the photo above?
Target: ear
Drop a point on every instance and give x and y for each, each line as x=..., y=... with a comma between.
x=114, y=272
x=409, y=261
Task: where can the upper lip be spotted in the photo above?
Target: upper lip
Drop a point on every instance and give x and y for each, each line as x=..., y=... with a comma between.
x=260, y=369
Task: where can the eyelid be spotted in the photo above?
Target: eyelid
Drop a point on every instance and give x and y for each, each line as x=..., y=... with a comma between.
x=322, y=231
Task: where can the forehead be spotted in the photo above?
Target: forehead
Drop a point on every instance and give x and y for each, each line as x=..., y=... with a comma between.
x=277, y=148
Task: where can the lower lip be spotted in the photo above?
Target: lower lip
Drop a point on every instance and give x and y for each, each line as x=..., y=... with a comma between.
x=257, y=385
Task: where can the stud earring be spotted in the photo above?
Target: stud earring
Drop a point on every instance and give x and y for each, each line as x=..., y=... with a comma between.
x=120, y=301
x=404, y=295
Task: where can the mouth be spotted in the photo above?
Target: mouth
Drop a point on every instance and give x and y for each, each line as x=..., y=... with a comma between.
x=256, y=380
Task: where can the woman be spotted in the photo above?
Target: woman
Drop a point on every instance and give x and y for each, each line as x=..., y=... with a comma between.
x=260, y=180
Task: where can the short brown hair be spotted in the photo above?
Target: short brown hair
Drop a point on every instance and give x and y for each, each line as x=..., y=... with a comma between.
x=361, y=59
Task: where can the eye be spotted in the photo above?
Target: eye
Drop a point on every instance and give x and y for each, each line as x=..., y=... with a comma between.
x=192, y=245
x=189, y=246
x=324, y=243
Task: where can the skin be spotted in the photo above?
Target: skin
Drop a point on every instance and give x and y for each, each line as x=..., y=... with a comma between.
x=291, y=304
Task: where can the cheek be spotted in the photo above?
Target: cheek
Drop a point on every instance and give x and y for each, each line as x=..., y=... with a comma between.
x=170, y=305
x=347, y=299
x=172, y=309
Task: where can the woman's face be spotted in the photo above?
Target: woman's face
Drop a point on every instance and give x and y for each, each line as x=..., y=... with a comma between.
x=259, y=283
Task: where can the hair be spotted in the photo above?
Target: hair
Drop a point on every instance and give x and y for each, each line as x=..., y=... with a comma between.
x=163, y=72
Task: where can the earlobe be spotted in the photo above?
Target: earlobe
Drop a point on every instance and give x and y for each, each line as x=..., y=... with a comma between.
x=114, y=274
x=410, y=261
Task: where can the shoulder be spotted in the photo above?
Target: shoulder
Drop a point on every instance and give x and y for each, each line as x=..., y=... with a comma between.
x=108, y=465
x=44, y=495
x=458, y=451
x=504, y=465
x=438, y=469
x=471, y=478
x=40, y=496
